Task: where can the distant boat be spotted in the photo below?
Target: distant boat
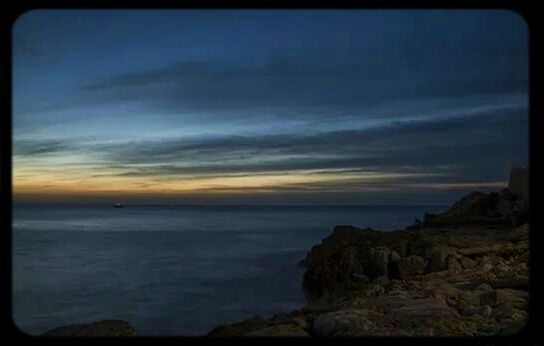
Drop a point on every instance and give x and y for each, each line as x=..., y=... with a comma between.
x=118, y=205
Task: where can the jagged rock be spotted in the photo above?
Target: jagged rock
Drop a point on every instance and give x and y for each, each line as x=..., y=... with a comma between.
x=475, y=208
x=484, y=311
x=515, y=298
x=475, y=204
x=483, y=288
x=512, y=328
x=362, y=278
x=453, y=265
x=406, y=267
x=426, y=308
x=464, y=275
x=240, y=328
x=393, y=256
x=519, y=182
x=378, y=262
x=516, y=281
x=468, y=263
x=519, y=234
x=341, y=323
x=513, y=202
x=506, y=202
x=100, y=328
x=437, y=260
x=279, y=330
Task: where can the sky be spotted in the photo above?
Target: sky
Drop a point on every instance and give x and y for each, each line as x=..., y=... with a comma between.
x=305, y=107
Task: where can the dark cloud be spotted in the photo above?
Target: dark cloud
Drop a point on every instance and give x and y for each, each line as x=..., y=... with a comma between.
x=475, y=147
x=317, y=79
x=470, y=148
x=41, y=147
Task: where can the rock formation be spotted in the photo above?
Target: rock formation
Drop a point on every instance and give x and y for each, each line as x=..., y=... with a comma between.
x=461, y=273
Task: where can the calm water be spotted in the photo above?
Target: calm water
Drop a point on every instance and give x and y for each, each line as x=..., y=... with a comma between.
x=170, y=269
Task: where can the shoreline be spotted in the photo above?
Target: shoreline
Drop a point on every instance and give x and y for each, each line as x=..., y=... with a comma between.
x=459, y=273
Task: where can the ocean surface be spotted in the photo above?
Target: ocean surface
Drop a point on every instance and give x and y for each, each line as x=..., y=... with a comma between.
x=170, y=270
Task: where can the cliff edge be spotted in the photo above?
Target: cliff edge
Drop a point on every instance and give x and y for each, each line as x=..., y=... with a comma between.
x=464, y=272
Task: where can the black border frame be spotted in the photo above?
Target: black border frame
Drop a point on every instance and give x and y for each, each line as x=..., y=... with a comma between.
x=529, y=335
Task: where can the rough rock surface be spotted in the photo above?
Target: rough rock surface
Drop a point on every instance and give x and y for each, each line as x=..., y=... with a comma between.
x=100, y=328
x=461, y=273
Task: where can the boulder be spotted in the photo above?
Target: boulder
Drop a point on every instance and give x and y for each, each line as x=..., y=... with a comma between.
x=453, y=265
x=510, y=297
x=378, y=262
x=437, y=259
x=483, y=311
x=406, y=267
x=341, y=323
x=468, y=263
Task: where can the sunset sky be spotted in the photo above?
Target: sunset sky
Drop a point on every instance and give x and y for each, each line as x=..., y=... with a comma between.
x=267, y=107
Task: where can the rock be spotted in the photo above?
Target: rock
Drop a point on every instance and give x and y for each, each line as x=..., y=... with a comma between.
x=514, y=200
x=240, y=328
x=515, y=298
x=483, y=288
x=468, y=263
x=506, y=203
x=475, y=204
x=521, y=267
x=100, y=328
x=279, y=330
x=519, y=234
x=426, y=308
x=512, y=328
x=406, y=267
x=418, y=246
x=298, y=321
x=437, y=260
x=393, y=256
x=519, y=182
x=467, y=300
x=453, y=265
x=490, y=298
x=459, y=273
x=362, y=278
x=475, y=209
x=514, y=281
x=484, y=311
x=341, y=323
x=380, y=281
x=378, y=261
x=485, y=267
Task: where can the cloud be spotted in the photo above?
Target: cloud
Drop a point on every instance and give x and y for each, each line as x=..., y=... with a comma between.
x=41, y=147
x=313, y=80
x=476, y=147
x=475, y=144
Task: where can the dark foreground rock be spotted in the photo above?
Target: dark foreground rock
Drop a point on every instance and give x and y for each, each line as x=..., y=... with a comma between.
x=462, y=273
x=100, y=328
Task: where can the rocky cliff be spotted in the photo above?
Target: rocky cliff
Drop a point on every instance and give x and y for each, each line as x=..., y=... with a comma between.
x=464, y=272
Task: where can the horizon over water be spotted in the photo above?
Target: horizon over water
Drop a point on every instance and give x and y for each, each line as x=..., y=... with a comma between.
x=171, y=269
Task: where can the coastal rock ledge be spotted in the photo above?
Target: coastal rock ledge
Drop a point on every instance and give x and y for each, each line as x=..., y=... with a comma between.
x=461, y=273
x=99, y=328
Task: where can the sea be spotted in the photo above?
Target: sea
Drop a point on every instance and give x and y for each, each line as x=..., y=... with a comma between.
x=171, y=270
